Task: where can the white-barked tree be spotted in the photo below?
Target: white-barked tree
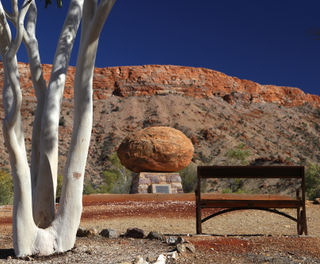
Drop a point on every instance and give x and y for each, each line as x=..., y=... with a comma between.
x=38, y=228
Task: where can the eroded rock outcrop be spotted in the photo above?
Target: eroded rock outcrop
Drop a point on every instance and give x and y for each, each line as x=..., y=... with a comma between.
x=167, y=79
x=157, y=149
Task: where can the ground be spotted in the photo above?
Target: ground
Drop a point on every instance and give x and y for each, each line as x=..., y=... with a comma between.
x=238, y=237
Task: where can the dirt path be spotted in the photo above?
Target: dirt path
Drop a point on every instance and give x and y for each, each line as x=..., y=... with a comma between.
x=239, y=237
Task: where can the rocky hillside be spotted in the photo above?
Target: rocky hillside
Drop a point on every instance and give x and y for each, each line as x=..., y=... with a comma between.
x=217, y=112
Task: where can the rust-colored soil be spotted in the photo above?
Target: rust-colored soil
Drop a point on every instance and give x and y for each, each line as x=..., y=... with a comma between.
x=239, y=237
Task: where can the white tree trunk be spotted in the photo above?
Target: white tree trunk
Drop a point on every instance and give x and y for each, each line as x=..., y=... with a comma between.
x=44, y=197
x=36, y=228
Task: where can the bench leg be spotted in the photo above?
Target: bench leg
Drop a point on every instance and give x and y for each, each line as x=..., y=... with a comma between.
x=298, y=222
x=302, y=222
x=198, y=220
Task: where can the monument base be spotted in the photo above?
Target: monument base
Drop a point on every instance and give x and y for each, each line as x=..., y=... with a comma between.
x=157, y=182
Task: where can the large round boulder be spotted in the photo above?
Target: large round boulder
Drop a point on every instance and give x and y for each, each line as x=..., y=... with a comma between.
x=156, y=149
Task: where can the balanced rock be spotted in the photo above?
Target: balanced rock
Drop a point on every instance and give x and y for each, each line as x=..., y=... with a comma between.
x=156, y=149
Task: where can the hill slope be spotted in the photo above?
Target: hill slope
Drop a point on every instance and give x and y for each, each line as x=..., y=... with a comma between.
x=215, y=111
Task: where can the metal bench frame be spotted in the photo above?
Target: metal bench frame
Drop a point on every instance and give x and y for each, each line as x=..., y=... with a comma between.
x=265, y=204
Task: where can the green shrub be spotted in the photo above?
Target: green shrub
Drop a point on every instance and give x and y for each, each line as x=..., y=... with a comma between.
x=189, y=178
x=117, y=179
x=238, y=155
x=6, y=188
x=59, y=185
x=313, y=181
x=88, y=188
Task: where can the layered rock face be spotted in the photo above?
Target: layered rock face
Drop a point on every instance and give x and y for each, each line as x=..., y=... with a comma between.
x=147, y=80
x=158, y=149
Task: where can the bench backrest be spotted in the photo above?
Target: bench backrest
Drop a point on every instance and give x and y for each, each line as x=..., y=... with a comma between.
x=250, y=172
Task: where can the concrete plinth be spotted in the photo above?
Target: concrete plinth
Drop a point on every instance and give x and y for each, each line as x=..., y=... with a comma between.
x=143, y=182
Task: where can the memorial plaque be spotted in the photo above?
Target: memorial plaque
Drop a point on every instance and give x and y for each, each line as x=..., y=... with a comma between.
x=161, y=188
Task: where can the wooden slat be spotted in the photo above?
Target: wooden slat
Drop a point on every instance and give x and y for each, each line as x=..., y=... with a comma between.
x=250, y=203
x=250, y=171
x=244, y=196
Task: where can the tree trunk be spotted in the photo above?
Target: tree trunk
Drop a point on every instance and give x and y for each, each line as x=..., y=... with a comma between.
x=36, y=228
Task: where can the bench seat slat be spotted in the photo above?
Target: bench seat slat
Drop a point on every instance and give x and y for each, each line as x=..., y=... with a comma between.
x=250, y=203
x=250, y=171
x=236, y=196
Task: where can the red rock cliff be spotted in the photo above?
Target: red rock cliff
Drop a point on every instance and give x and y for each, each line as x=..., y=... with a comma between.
x=166, y=79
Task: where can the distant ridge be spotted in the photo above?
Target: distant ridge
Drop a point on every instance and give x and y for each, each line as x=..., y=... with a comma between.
x=128, y=81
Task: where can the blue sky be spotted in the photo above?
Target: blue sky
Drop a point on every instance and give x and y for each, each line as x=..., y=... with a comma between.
x=267, y=41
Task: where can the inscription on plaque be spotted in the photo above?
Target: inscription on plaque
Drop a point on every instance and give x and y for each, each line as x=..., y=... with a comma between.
x=161, y=188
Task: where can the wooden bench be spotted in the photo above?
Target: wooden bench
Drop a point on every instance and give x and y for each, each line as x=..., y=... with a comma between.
x=233, y=202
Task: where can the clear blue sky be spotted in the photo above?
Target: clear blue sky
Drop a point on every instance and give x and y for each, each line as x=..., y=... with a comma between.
x=267, y=41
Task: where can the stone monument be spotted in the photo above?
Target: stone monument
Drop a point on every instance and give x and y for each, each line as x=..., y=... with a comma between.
x=157, y=154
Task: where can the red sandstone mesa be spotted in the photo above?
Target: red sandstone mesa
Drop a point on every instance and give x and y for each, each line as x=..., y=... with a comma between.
x=162, y=149
x=167, y=79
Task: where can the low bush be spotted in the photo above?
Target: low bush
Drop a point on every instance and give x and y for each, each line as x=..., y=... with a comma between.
x=117, y=179
x=312, y=179
x=6, y=188
x=189, y=178
x=238, y=155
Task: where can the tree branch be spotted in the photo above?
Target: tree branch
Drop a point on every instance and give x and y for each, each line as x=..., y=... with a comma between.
x=40, y=87
x=5, y=32
x=99, y=19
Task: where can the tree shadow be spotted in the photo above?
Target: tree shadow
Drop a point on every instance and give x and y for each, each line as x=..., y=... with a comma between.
x=7, y=252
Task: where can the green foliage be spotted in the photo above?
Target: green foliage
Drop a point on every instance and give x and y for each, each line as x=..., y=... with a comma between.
x=6, y=188
x=238, y=155
x=117, y=179
x=88, y=188
x=49, y=2
x=59, y=185
x=189, y=178
x=228, y=190
x=313, y=181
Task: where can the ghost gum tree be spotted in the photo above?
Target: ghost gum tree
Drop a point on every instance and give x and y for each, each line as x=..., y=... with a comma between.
x=37, y=227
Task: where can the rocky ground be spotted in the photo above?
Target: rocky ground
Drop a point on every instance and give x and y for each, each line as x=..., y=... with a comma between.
x=239, y=237
x=290, y=135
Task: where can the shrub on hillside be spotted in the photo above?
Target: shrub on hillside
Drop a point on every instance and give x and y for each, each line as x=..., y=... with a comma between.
x=189, y=178
x=117, y=179
x=238, y=155
x=6, y=188
x=313, y=181
x=59, y=186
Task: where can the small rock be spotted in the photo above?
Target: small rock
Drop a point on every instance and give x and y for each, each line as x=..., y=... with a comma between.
x=89, y=252
x=86, y=232
x=28, y=258
x=180, y=240
x=186, y=247
x=109, y=233
x=190, y=247
x=181, y=248
x=161, y=259
x=171, y=240
x=151, y=259
x=134, y=233
x=154, y=235
x=139, y=260
x=172, y=255
x=316, y=201
x=81, y=232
